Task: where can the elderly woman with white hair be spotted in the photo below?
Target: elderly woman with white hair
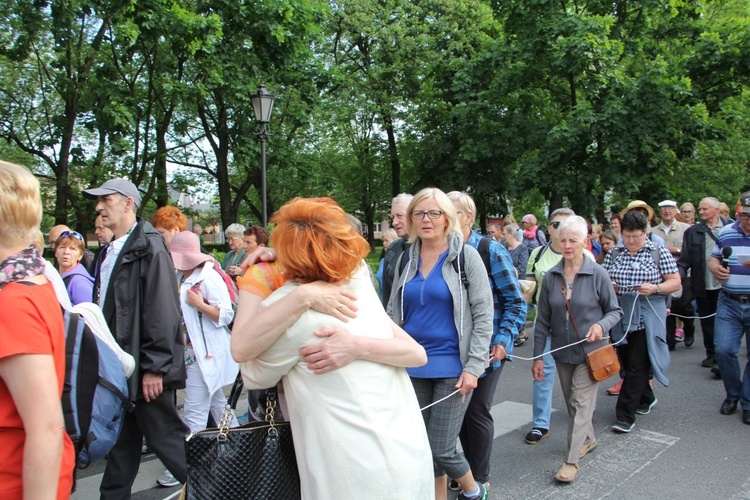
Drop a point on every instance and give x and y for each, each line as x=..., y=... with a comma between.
x=576, y=296
x=235, y=234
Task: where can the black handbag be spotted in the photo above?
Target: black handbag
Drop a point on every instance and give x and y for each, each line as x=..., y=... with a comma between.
x=254, y=461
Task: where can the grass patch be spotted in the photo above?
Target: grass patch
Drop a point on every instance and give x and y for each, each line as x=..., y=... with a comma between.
x=373, y=260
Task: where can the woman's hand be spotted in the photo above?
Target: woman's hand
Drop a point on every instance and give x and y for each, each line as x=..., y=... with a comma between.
x=498, y=353
x=338, y=349
x=194, y=298
x=466, y=382
x=260, y=254
x=595, y=333
x=331, y=299
x=235, y=271
x=537, y=370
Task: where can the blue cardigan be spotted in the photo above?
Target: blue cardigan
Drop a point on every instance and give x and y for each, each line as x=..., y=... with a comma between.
x=653, y=310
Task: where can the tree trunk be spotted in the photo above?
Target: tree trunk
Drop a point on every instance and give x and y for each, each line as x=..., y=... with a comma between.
x=392, y=155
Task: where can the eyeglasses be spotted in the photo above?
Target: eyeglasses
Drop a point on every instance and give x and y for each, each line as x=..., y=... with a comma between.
x=432, y=214
x=74, y=234
x=633, y=237
x=744, y=216
x=556, y=224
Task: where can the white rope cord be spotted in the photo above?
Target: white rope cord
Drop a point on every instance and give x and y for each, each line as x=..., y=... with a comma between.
x=692, y=317
x=440, y=400
x=627, y=330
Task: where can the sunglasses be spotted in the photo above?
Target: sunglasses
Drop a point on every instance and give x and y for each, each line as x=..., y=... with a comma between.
x=556, y=224
x=74, y=234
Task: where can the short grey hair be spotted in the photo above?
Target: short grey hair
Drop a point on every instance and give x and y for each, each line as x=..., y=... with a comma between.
x=404, y=198
x=565, y=212
x=714, y=201
x=575, y=223
x=235, y=230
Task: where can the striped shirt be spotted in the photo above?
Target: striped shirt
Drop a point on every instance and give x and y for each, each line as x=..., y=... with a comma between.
x=739, y=278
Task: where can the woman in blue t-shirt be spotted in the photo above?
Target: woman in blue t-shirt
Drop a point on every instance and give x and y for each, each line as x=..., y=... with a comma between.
x=443, y=300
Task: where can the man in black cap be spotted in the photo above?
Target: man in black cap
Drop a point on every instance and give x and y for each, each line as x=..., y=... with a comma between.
x=137, y=291
x=729, y=262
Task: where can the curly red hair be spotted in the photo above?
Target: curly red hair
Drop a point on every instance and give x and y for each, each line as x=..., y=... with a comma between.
x=169, y=217
x=314, y=240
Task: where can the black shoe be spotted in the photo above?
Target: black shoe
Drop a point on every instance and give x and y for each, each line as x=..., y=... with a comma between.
x=671, y=347
x=521, y=340
x=536, y=434
x=715, y=370
x=623, y=427
x=728, y=407
x=689, y=340
x=646, y=409
x=708, y=362
x=746, y=417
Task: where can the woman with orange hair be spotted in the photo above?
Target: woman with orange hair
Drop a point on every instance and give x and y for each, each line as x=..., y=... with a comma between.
x=169, y=221
x=357, y=429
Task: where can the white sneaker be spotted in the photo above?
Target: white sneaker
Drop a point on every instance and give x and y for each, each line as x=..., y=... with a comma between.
x=167, y=480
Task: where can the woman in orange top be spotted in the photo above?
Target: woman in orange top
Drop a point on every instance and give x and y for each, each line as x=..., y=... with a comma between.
x=37, y=456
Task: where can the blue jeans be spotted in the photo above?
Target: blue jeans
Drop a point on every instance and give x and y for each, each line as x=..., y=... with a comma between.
x=542, y=391
x=732, y=322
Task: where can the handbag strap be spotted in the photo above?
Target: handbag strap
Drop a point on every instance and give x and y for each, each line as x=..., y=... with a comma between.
x=237, y=387
x=567, y=306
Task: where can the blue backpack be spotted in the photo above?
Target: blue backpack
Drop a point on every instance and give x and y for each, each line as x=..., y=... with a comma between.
x=95, y=393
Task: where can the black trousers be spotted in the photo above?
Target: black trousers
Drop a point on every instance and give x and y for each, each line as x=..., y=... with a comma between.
x=478, y=428
x=706, y=307
x=165, y=434
x=678, y=308
x=635, y=390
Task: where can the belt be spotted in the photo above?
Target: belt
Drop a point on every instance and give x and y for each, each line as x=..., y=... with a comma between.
x=743, y=299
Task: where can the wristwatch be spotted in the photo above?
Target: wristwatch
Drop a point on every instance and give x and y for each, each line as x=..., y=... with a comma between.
x=658, y=288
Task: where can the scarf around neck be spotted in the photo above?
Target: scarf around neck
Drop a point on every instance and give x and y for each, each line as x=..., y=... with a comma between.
x=22, y=265
x=530, y=234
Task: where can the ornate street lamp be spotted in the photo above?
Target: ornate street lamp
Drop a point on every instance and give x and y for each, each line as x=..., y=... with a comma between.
x=262, y=107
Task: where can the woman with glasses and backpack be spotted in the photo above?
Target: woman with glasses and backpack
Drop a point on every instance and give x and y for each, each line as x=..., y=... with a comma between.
x=442, y=298
x=68, y=252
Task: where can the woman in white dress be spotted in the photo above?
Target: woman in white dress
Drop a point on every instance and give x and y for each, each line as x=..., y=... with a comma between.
x=358, y=431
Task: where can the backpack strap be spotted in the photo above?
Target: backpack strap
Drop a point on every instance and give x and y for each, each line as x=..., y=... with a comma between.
x=459, y=265
x=539, y=256
x=537, y=235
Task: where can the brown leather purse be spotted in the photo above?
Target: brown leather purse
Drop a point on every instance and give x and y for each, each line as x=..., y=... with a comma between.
x=602, y=362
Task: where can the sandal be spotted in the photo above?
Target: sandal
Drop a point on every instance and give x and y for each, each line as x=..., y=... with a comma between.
x=521, y=340
x=588, y=447
x=567, y=473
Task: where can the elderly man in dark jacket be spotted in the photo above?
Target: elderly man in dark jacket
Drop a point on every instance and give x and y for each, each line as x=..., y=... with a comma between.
x=697, y=243
x=137, y=291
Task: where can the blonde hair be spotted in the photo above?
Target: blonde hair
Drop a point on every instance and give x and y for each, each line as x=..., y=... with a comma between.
x=445, y=204
x=465, y=203
x=20, y=205
x=38, y=241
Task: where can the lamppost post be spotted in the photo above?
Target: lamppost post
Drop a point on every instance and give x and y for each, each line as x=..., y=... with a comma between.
x=262, y=107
